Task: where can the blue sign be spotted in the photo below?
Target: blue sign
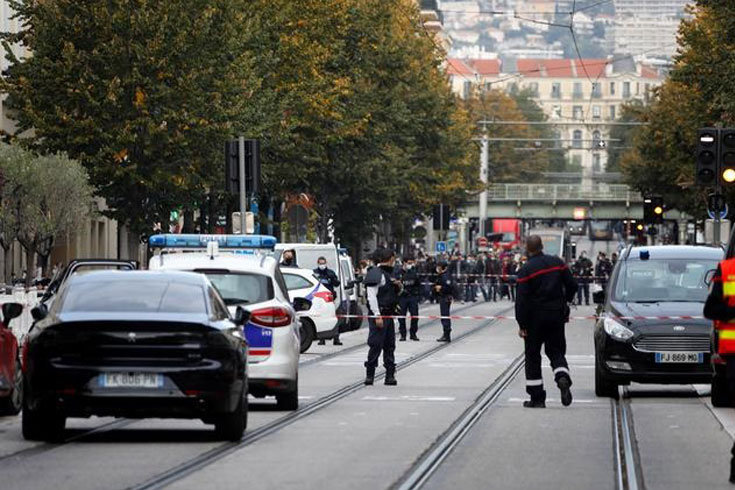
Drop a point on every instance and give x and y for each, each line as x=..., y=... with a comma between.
x=224, y=241
x=441, y=247
x=723, y=213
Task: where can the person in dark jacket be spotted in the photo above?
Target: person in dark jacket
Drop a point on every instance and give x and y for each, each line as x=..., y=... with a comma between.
x=289, y=259
x=329, y=278
x=409, y=298
x=582, y=270
x=545, y=287
x=383, y=292
x=444, y=291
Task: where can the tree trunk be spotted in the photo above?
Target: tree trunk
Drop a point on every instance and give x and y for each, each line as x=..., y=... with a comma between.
x=188, y=221
x=30, y=265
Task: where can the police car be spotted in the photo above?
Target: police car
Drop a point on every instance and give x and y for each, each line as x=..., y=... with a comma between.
x=320, y=322
x=244, y=277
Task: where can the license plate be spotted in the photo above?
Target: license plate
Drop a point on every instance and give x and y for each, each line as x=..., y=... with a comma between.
x=131, y=380
x=680, y=357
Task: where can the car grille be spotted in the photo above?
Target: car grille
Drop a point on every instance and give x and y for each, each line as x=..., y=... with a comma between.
x=672, y=343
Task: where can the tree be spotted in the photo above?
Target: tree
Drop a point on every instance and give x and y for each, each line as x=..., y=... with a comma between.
x=631, y=112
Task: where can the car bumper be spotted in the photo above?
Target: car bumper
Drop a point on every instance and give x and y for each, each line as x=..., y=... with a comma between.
x=279, y=372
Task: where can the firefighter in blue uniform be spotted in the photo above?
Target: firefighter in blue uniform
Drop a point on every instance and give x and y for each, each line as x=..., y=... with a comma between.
x=329, y=278
x=444, y=291
x=409, y=298
x=545, y=289
x=383, y=292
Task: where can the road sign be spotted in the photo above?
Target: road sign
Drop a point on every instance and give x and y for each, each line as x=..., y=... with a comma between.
x=482, y=242
x=723, y=213
x=441, y=247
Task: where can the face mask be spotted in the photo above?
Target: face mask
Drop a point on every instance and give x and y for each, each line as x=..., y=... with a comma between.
x=322, y=267
x=409, y=267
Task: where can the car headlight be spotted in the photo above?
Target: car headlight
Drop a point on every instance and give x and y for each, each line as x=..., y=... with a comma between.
x=616, y=329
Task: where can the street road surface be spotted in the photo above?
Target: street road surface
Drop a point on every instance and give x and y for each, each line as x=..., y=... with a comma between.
x=350, y=436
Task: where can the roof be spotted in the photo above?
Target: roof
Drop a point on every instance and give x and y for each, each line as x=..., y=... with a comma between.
x=677, y=252
x=564, y=68
x=456, y=66
x=649, y=72
x=112, y=276
x=202, y=260
x=486, y=67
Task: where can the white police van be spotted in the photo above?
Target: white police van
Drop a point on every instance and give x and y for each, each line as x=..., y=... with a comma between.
x=252, y=280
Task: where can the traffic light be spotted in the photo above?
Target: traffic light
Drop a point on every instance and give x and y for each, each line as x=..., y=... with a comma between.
x=441, y=217
x=232, y=167
x=252, y=167
x=727, y=158
x=707, y=157
x=653, y=210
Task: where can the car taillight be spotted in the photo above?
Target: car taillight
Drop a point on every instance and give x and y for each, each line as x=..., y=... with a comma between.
x=274, y=316
x=325, y=295
x=24, y=356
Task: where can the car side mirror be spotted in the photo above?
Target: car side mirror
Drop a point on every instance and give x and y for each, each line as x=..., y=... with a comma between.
x=598, y=297
x=709, y=276
x=10, y=311
x=301, y=304
x=242, y=316
x=39, y=312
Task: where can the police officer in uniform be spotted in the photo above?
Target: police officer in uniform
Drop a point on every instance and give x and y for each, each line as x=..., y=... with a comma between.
x=444, y=290
x=382, y=293
x=545, y=287
x=720, y=307
x=329, y=278
x=409, y=298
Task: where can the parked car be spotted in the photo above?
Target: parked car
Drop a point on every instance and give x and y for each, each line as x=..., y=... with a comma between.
x=320, y=321
x=80, y=266
x=636, y=338
x=135, y=344
x=11, y=374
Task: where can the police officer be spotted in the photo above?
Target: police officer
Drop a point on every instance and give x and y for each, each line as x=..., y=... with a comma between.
x=545, y=287
x=720, y=307
x=409, y=298
x=444, y=290
x=329, y=278
x=382, y=293
x=289, y=259
x=582, y=268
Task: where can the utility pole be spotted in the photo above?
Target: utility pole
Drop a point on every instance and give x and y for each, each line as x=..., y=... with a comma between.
x=484, y=170
x=243, y=197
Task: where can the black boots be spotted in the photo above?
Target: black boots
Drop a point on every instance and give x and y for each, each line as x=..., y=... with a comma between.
x=390, y=378
x=403, y=338
x=414, y=337
x=564, y=383
x=732, y=470
x=337, y=342
x=534, y=404
x=538, y=397
x=370, y=377
x=444, y=338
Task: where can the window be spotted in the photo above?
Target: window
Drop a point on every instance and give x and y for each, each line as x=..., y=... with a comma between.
x=680, y=280
x=294, y=281
x=577, y=112
x=596, y=166
x=577, y=139
x=596, y=139
x=596, y=112
x=612, y=112
x=556, y=90
x=626, y=90
x=596, y=90
x=533, y=87
x=466, y=89
x=556, y=112
x=242, y=288
x=219, y=310
x=638, y=88
x=612, y=88
x=577, y=94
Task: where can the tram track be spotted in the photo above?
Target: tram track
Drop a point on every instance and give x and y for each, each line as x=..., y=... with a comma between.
x=628, y=472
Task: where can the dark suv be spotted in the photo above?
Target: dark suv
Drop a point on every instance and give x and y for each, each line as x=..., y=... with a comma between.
x=651, y=329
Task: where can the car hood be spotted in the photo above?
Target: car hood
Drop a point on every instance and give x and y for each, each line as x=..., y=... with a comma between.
x=660, y=318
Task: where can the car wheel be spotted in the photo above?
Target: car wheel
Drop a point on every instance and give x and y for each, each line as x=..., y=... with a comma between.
x=43, y=425
x=231, y=426
x=307, y=332
x=12, y=404
x=290, y=400
x=604, y=387
x=720, y=395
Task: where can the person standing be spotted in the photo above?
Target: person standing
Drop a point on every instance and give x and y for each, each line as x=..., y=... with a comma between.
x=508, y=278
x=409, y=298
x=289, y=259
x=603, y=269
x=582, y=269
x=444, y=290
x=545, y=287
x=329, y=279
x=382, y=292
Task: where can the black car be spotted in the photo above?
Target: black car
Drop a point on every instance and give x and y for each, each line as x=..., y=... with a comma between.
x=651, y=329
x=135, y=344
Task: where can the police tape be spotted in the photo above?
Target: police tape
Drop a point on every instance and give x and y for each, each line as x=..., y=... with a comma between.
x=510, y=276
x=510, y=317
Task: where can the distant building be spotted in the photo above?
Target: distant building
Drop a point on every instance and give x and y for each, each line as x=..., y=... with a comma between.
x=647, y=27
x=582, y=97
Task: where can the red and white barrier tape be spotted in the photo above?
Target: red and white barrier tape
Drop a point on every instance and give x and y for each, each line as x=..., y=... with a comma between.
x=504, y=317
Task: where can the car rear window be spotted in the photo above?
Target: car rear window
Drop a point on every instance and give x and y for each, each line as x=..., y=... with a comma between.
x=294, y=281
x=662, y=280
x=241, y=288
x=135, y=296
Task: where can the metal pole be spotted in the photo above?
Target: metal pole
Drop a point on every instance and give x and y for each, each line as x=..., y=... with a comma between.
x=484, y=169
x=716, y=231
x=243, y=197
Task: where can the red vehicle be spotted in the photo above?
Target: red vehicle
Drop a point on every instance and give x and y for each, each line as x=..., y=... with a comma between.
x=11, y=377
x=507, y=233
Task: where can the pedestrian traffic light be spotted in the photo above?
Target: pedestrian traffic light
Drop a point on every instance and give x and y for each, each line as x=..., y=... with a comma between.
x=727, y=159
x=707, y=157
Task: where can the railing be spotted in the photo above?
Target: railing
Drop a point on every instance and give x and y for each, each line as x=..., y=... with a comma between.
x=562, y=192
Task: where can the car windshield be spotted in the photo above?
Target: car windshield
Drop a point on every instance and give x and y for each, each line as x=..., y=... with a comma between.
x=135, y=296
x=552, y=244
x=508, y=237
x=652, y=281
x=242, y=288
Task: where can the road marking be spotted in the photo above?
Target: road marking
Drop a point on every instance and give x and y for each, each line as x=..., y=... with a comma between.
x=409, y=398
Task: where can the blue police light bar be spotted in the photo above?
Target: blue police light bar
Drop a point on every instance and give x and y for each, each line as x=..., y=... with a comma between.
x=224, y=241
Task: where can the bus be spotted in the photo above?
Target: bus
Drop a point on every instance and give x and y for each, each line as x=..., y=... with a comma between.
x=556, y=242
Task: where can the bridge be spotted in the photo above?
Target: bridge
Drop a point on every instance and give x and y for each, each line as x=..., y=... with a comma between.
x=560, y=201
